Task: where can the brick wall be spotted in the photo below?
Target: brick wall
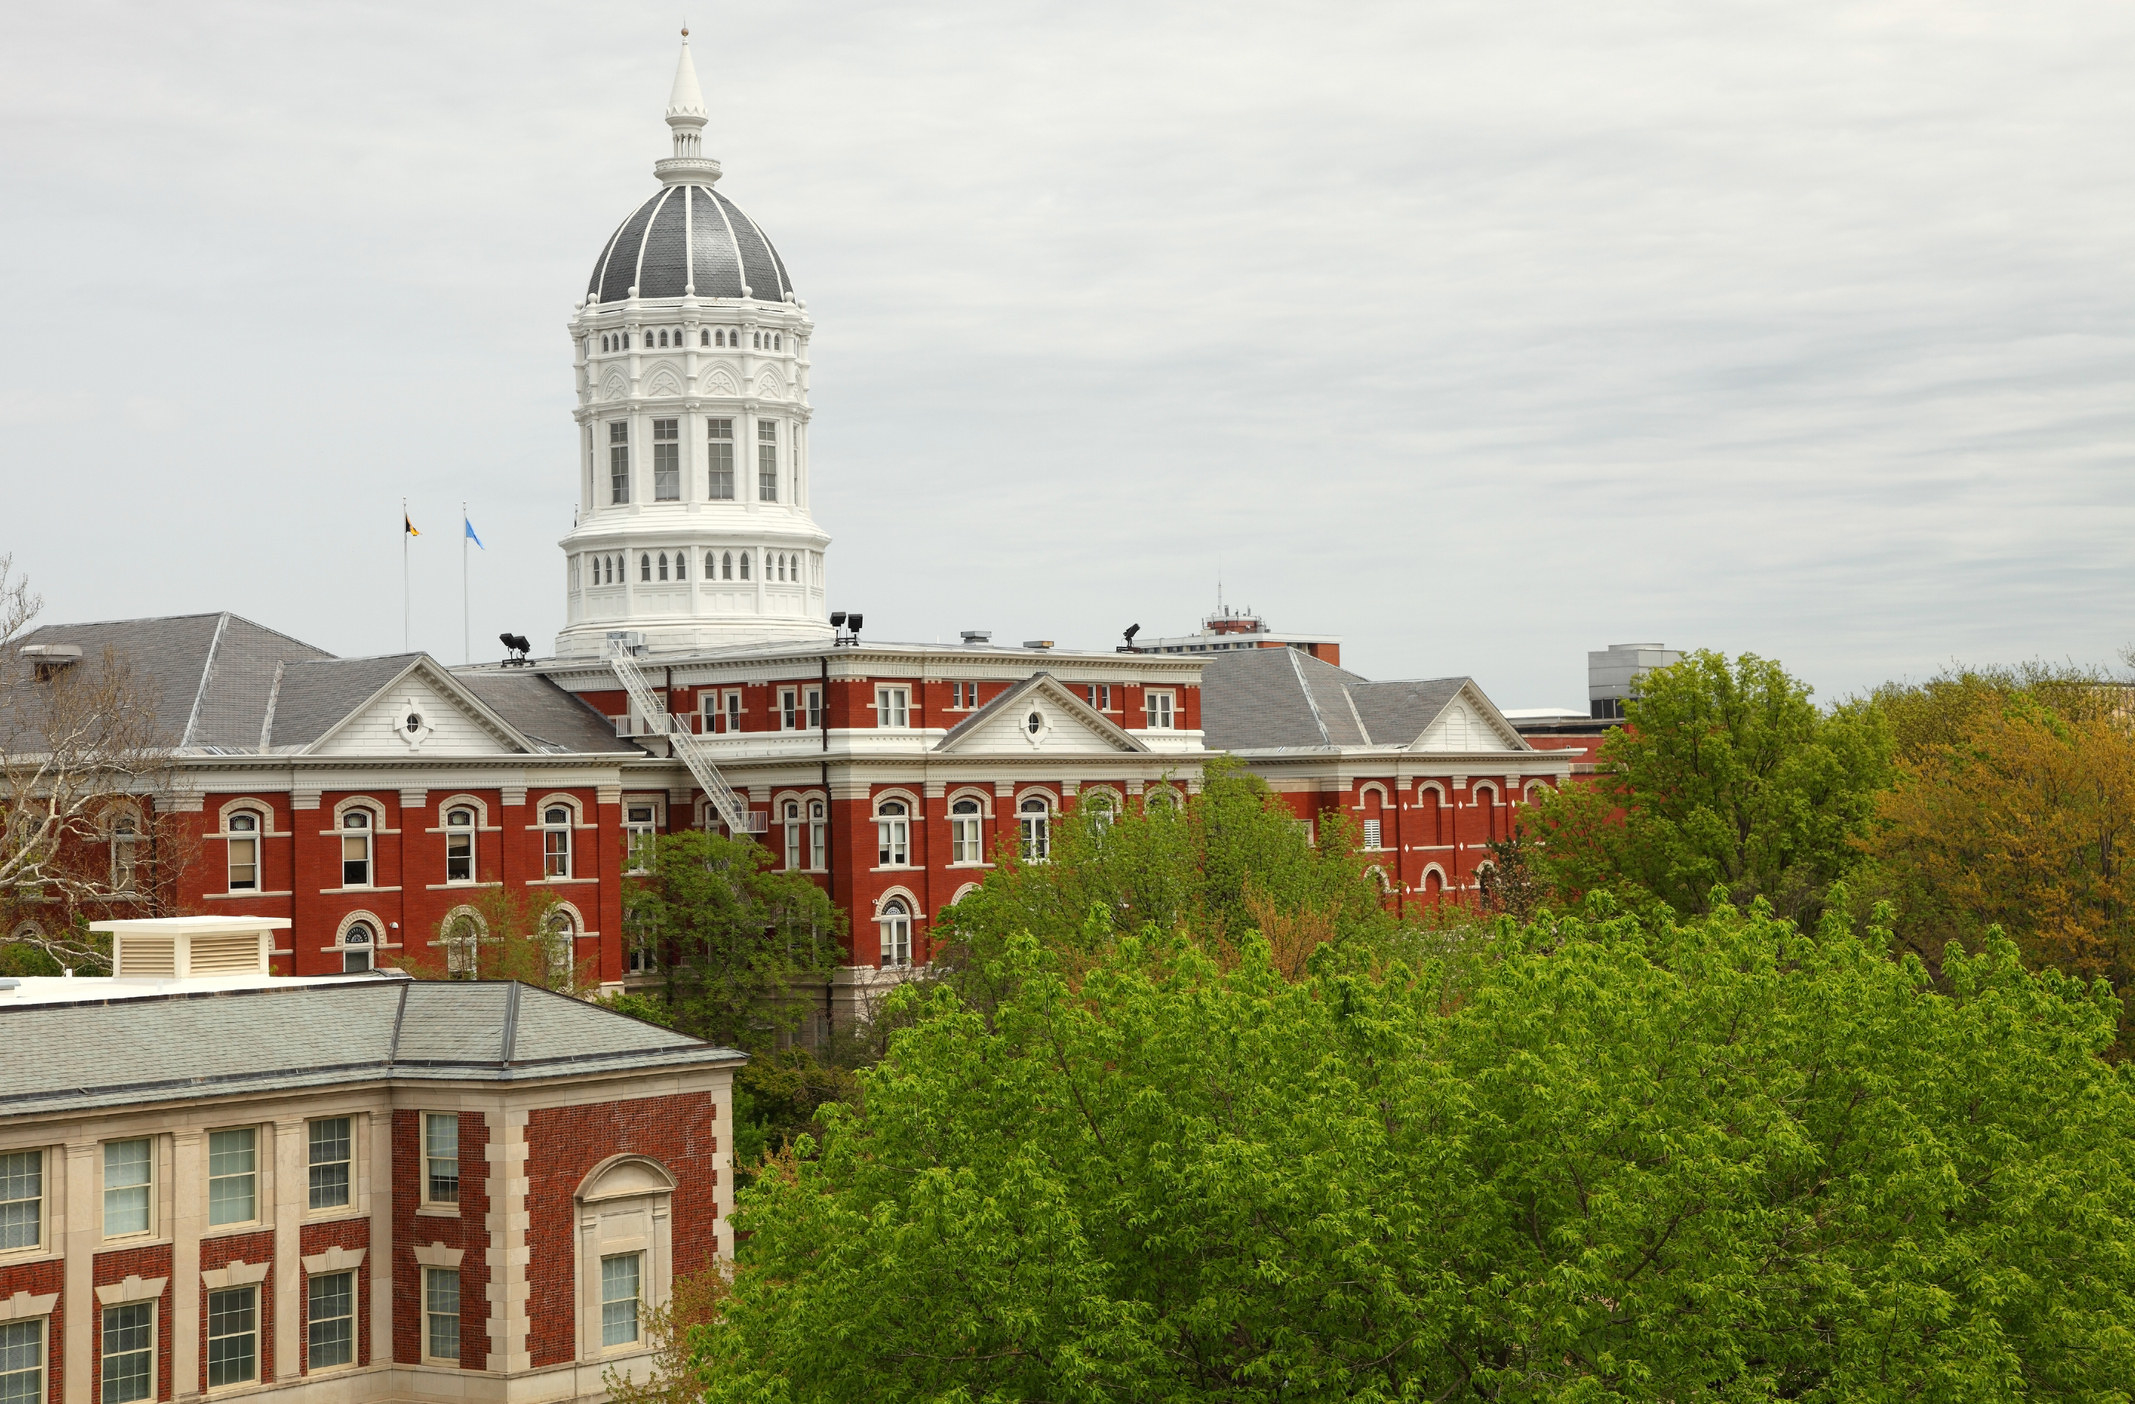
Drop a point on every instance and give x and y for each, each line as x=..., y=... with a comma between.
x=562, y=1145
x=117, y=1267
x=314, y=1239
x=241, y=1248
x=468, y=1232
x=39, y=1279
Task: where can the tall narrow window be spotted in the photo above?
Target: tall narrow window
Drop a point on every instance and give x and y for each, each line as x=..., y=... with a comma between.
x=767, y=460
x=125, y=841
x=233, y=1336
x=233, y=1175
x=1034, y=818
x=356, y=848
x=663, y=565
x=645, y=566
x=726, y=567
x=22, y=1361
x=1371, y=833
x=459, y=845
x=463, y=948
x=1103, y=809
x=441, y=1313
x=129, y=1353
x=818, y=836
x=815, y=708
x=356, y=945
x=441, y=1158
x=666, y=460
x=556, y=841
x=733, y=710
x=966, y=832
x=894, y=835
x=795, y=834
x=619, y=461
x=243, y=843
x=789, y=708
x=893, y=706
x=129, y=1174
x=328, y=1151
x=681, y=565
x=620, y=1283
x=21, y=1200
x=745, y=555
x=896, y=925
x=330, y=1335
x=719, y=456
x=641, y=825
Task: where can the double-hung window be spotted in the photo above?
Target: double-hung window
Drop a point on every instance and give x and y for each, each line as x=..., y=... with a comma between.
x=330, y=1162
x=966, y=832
x=356, y=848
x=894, y=834
x=896, y=928
x=233, y=1336
x=796, y=834
x=621, y=1282
x=1158, y=708
x=1101, y=696
x=21, y=1200
x=129, y=1353
x=818, y=836
x=441, y=1313
x=233, y=1175
x=814, y=697
x=733, y=711
x=243, y=843
x=1034, y=820
x=641, y=824
x=619, y=461
x=556, y=841
x=125, y=847
x=893, y=706
x=441, y=1158
x=22, y=1347
x=666, y=460
x=330, y=1324
x=459, y=845
x=129, y=1187
x=719, y=446
x=789, y=709
x=767, y=460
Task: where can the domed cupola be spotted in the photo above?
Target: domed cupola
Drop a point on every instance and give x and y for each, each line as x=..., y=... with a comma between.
x=691, y=348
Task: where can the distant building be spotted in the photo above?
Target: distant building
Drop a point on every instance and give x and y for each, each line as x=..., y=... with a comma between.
x=1228, y=630
x=1612, y=674
x=340, y=1188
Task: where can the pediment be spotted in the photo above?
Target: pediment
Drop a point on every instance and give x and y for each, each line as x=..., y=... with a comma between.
x=1468, y=723
x=1038, y=716
x=421, y=713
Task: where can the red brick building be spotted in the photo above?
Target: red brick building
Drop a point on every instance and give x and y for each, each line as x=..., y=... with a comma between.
x=340, y=1188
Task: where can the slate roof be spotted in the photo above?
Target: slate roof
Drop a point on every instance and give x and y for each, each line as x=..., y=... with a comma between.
x=221, y=684
x=131, y=1051
x=684, y=235
x=1285, y=699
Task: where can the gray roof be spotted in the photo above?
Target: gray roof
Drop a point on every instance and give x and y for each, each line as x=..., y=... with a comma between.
x=221, y=684
x=1285, y=699
x=684, y=236
x=129, y=1051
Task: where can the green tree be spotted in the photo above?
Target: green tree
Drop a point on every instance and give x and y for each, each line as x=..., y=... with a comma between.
x=737, y=944
x=1714, y=1161
x=507, y=934
x=1725, y=777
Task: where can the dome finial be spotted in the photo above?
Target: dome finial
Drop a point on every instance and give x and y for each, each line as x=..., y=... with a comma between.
x=686, y=118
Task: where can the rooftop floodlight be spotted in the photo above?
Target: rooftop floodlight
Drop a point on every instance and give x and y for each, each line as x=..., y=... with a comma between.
x=852, y=622
x=837, y=619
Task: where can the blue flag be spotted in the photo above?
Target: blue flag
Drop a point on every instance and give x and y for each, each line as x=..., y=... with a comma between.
x=470, y=533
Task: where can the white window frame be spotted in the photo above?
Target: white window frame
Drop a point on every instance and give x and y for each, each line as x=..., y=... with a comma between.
x=893, y=707
x=1034, y=828
x=667, y=460
x=248, y=840
x=313, y=1164
x=636, y=1302
x=251, y=1294
x=467, y=833
x=638, y=833
x=719, y=461
x=312, y=1320
x=796, y=833
x=104, y=1354
x=250, y=1177
x=967, y=832
x=893, y=833
x=365, y=833
x=431, y=1159
x=556, y=839
x=43, y=1367
x=894, y=927
x=818, y=835
x=618, y=463
x=432, y=1316
x=1160, y=709
x=767, y=460
x=145, y=1189
x=41, y=1199
x=789, y=709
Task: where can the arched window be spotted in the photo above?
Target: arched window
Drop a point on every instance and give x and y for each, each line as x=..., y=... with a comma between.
x=563, y=947
x=778, y=343
x=681, y=565
x=243, y=843
x=1103, y=808
x=893, y=829
x=704, y=338
x=745, y=565
x=663, y=565
x=818, y=835
x=726, y=566
x=1485, y=799
x=719, y=338
x=556, y=841
x=967, y=830
x=357, y=944
x=125, y=846
x=1034, y=822
x=463, y=947
x=711, y=565
x=1374, y=819
x=791, y=812
x=1430, y=816
x=356, y=848
x=459, y=844
x=1162, y=800
x=896, y=925
x=644, y=567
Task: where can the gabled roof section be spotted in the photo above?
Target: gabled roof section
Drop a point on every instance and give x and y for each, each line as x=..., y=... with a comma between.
x=553, y=719
x=381, y=690
x=1001, y=723
x=1284, y=699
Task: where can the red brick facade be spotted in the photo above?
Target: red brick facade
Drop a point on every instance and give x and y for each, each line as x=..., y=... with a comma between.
x=43, y=1279
x=563, y=1145
x=314, y=1239
x=468, y=1231
x=217, y=1253
x=146, y=1263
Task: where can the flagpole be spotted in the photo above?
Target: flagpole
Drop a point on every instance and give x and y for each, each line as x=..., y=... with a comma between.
x=466, y=635
x=404, y=614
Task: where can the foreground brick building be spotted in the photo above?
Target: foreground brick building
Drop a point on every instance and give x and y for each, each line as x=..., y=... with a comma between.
x=341, y=1188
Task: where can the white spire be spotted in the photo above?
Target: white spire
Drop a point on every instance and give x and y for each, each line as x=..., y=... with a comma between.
x=686, y=118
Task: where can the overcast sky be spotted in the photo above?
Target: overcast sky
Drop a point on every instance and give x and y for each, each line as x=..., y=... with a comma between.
x=1480, y=334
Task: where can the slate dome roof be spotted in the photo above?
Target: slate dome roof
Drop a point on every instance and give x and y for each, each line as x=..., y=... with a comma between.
x=684, y=234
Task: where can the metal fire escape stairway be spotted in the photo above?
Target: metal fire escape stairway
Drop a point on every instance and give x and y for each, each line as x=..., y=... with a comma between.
x=683, y=743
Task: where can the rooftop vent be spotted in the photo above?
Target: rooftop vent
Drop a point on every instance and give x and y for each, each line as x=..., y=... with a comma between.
x=978, y=636
x=1037, y=643
x=189, y=948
